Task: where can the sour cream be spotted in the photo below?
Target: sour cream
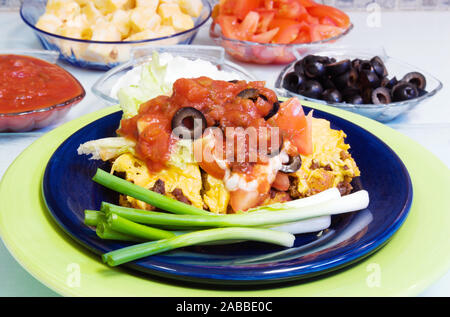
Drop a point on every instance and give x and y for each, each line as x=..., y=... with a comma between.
x=177, y=67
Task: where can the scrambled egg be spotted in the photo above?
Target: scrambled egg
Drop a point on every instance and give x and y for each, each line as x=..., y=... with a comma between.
x=188, y=179
x=330, y=164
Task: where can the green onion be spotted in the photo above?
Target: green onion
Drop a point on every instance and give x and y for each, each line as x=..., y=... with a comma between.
x=93, y=217
x=105, y=232
x=352, y=202
x=160, y=201
x=138, y=251
x=131, y=228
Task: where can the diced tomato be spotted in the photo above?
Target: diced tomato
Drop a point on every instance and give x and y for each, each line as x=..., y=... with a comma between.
x=289, y=10
x=339, y=18
x=241, y=200
x=265, y=17
x=321, y=32
x=304, y=34
x=327, y=21
x=268, y=4
x=249, y=25
x=242, y=8
x=265, y=37
x=288, y=30
x=293, y=123
x=307, y=3
x=230, y=27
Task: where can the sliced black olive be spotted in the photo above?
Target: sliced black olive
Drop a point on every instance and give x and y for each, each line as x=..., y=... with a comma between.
x=354, y=99
x=332, y=95
x=355, y=63
x=381, y=95
x=337, y=68
x=188, y=123
x=273, y=111
x=314, y=70
x=327, y=83
x=369, y=79
x=422, y=92
x=389, y=83
x=404, y=91
x=367, y=95
x=365, y=65
x=310, y=88
x=415, y=78
x=234, y=81
x=249, y=93
x=291, y=81
x=298, y=67
x=293, y=165
x=378, y=66
x=349, y=92
x=347, y=79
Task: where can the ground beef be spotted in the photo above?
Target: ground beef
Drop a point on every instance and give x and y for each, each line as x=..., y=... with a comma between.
x=314, y=165
x=178, y=194
x=344, y=155
x=344, y=188
x=159, y=187
x=293, y=187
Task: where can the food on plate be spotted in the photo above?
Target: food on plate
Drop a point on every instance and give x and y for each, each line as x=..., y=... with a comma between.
x=279, y=21
x=354, y=81
x=28, y=83
x=224, y=155
x=157, y=76
x=115, y=21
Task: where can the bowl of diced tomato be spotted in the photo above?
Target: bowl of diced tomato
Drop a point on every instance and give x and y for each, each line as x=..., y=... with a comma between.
x=275, y=31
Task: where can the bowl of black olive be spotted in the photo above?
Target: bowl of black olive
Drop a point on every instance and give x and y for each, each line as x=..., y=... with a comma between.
x=377, y=86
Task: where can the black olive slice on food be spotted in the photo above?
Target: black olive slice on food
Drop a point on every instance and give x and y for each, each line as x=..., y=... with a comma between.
x=356, y=62
x=310, y=88
x=337, y=68
x=381, y=95
x=273, y=111
x=327, y=83
x=404, y=91
x=292, y=165
x=188, y=123
x=416, y=79
x=249, y=93
x=378, y=66
x=347, y=79
x=332, y=95
x=291, y=81
x=369, y=79
x=234, y=81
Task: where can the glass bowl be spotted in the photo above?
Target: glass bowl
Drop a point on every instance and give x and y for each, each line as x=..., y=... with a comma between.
x=395, y=67
x=103, y=87
x=261, y=53
x=100, y=55
x=36, y=119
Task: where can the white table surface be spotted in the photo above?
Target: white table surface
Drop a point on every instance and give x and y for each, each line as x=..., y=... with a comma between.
x=419, y=38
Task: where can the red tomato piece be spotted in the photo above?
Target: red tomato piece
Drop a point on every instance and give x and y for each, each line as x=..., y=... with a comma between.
x=265, y=37
x=339, y=18
x=242, y=8
x=249, y=25
x=321, y=32
x=294, y=125
x=230, y=27
x=288, y=30
x=265, y=17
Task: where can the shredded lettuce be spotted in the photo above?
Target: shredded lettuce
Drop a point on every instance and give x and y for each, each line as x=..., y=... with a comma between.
x=107, y=148
x=151, y=84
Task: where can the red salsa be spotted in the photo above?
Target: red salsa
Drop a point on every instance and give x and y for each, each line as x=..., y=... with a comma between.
x=221, y=106
x=28, y=83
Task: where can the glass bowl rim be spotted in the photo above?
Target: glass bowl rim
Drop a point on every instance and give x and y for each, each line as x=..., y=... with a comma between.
x=219, y=35
x=278, y=86
x=134, y=61
x=204, y=2
x=50, y=53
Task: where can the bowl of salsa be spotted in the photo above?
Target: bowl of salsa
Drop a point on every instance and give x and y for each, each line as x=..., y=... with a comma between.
x=34, y=91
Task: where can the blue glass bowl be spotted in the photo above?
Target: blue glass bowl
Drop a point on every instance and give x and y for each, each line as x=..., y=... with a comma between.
x=73, y=50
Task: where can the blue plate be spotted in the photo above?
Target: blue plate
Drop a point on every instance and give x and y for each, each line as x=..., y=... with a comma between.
x=68, y=190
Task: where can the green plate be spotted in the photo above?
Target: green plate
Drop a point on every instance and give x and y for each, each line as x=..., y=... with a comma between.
x=417, y=255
